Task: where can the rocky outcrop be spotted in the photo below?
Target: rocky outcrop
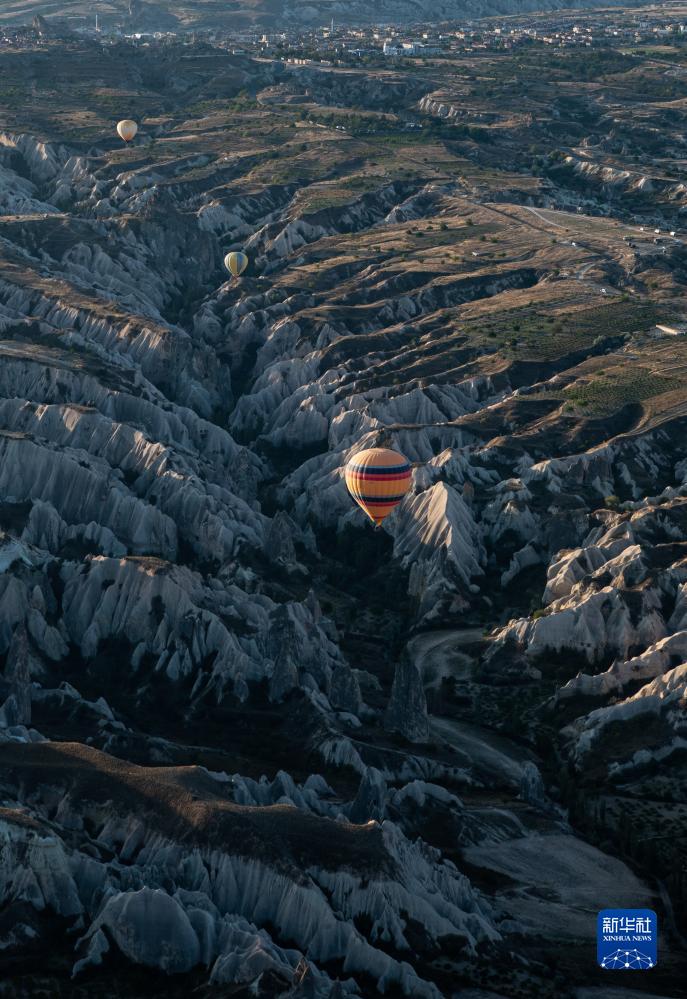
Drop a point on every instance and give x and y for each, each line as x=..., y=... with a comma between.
x=195, y=904
x=661, y=699
x=407, y=710
x=16, y=709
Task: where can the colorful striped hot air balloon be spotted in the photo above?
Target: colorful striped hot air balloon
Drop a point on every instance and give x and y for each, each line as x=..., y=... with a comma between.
x=236, y=262
x=378, y=479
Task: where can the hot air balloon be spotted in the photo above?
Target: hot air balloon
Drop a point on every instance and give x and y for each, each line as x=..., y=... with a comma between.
x=236, y=263
x=378, y=479
x=126, y=129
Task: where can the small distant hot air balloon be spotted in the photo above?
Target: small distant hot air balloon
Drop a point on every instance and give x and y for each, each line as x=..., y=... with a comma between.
x=236, y=262
x=378, y=479
x=126, y=129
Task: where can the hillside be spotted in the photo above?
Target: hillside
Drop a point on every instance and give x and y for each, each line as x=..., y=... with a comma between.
x=277, y=15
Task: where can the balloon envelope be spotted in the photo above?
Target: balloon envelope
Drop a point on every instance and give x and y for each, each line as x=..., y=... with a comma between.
x=236, y=262
x=378, y=479
x=126, y=129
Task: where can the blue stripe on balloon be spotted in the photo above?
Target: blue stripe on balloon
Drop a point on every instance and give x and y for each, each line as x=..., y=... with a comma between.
x=377, y=469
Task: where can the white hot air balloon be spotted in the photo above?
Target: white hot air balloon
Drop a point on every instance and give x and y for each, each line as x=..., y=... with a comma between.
x=236, y=262
x=127, y=129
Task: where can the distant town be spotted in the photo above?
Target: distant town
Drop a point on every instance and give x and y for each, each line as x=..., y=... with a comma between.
x=335, y=44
